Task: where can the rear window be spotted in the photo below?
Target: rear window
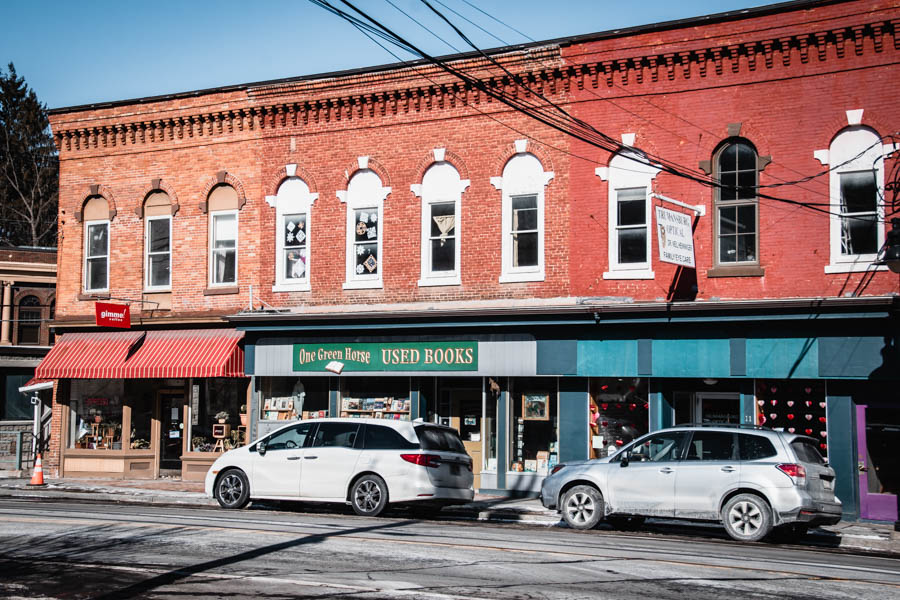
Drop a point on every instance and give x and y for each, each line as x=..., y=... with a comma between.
x=807, y=452
x=439, y=438
x=379, y=437
x=755, y=447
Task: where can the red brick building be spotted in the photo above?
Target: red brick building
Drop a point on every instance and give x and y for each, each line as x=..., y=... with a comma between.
x=347, y=215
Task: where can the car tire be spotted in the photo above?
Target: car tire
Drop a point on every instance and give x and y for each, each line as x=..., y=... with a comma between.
x=369, y=496
x=625, y=523
x=747, y=518
x=582, y=507
x=232, y=489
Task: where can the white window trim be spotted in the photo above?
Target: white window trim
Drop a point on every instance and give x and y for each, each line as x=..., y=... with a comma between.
x=853, y=263
x=87, y=241
x=428, y=277
x=147, y=286
x=373, y=198
x=211, y=249
x=527, y=186
x=634, y=173
x=286, y=205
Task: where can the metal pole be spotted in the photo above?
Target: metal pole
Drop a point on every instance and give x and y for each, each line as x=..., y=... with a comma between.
x=19, y=450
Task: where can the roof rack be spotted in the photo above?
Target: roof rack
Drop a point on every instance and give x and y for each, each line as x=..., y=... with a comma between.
x=728, y=425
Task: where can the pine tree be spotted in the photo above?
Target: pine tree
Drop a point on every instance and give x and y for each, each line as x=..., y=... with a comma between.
x=29, y=166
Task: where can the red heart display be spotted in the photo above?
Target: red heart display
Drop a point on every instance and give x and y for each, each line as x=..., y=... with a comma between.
x=822, y=419
x=821, y=405
x=790, y=402
x=773, y=402
x=790, y=430
x=790, y=417
x=604, y=423
x=604, y=387
x=773, y=416
x=761, y=402
x=604, y=406
x=809, y=402
x=762, y=419
x=823, y=446
x=808, y=431
x=808, y=390
x=808, y=417
x=619, y=442
x=632, y=406
x=823, y=433
x=774, y=389
x=618, y=405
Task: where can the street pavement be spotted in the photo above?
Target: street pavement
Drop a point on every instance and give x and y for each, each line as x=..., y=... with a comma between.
x=866, y=537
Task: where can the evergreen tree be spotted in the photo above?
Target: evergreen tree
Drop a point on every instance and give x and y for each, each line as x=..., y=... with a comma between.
x=29, y=166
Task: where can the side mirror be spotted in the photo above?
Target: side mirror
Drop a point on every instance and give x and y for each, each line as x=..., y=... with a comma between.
x=261, y=448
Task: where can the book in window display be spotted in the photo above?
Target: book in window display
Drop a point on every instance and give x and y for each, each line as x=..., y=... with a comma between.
x=376, y=407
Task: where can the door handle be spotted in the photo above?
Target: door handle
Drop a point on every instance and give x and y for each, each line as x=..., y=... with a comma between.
x=293, y=458
x=310, y=457
x=666, y=470
x=728, y=469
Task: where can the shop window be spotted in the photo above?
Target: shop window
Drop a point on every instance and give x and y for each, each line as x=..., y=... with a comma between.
x=141, y=396
x=293, y=204
x=15, y=405
x=441, y=192
x=492, y=394
x=795, y=406
x=29, y=321
x=379, y=398
x=522, y=184
x=96, y=256
x=364, y=197
x=220, y=399
x=289, y=398
x=534, y=431
x=619, y=413
x=96, y=414
x=737, y=171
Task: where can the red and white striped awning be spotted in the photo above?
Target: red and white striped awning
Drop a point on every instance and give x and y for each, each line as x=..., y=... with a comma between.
x=145, y=355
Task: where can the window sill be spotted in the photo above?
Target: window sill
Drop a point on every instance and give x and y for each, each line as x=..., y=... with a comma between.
x=291, y=287
x=522, y=277
x=375, y=284
x=221, y=291
x=629, y=274
x=855, y=267
x=87, y=296
x=736, y=271
x=439, y=281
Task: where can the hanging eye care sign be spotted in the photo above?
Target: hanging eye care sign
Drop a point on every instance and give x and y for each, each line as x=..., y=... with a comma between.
x=676, y=237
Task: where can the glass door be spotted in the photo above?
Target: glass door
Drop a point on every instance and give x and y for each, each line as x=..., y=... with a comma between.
x=717, y=407
x=171, y=419
x=878, y=462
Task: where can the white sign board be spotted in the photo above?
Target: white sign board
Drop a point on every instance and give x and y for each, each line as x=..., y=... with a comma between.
x=676, y=241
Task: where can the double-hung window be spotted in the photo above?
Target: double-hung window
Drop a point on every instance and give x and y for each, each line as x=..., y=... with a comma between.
x=441, y=191
x=524, y=232
x=364, y=197
x=632, y=239
x=96, y=256
x=737, y=239
x=223, y=247
x=859, y=213
x=158, y=237
x=293, y=205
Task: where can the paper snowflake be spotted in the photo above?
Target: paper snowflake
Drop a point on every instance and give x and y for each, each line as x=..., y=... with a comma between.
x=363, y=217
x=290, y=237
x=360, y=250
x=374, y=217
x=359, y=269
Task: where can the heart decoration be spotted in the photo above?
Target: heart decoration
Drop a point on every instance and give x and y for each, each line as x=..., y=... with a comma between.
x=604, y=406
x=822, y=419
x=790, y=417
x=762, y=419
x=618, y=405
x=773, y=416
x=773, y=402
x=808, y=390
x=790, y=402
x=823, y=446
x=604, y=423
x=823, y=433
x=774, y=389
x=619, y=442
x=604, y=387
x=808, y=431
x=821, y=405
x=632, y=406
x=808, y=417
x=790, y=430
x=808, y=402
x=761, y=402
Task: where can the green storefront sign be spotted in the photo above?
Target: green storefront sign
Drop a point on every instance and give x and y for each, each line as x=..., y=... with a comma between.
x=387, y=356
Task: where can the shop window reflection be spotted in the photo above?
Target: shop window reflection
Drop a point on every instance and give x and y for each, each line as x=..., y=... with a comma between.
x=534, y=427
x=96, y=418
x=142, y=398
x=219, y=396
x=618, y=413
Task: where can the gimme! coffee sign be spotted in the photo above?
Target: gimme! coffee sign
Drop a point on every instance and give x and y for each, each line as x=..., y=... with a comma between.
x=112, y=315
x=388, y=356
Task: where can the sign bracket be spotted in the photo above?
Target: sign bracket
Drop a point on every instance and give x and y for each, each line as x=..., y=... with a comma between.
x=699, y=209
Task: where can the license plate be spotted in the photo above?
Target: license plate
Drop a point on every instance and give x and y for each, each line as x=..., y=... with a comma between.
x=454, y=469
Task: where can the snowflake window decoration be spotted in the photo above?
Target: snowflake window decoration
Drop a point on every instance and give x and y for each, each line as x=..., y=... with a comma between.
x=374, y=217
x=371, y=233
x=363, y=217
x=359, y=269
x=290, y=237
x=291, y=226
x=360, y=250
x=300, y=236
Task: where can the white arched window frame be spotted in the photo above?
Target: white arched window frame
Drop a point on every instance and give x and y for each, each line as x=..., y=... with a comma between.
x=96, y=256
x=856, y=192
x=522, y=185
x=441, y=193
x=630, y=177
x=293, y=233
x=364, y=197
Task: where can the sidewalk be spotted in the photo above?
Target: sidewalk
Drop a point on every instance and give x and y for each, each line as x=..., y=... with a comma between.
x=851, y=536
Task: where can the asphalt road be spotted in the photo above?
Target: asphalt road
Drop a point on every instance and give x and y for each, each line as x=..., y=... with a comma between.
x=105, y=551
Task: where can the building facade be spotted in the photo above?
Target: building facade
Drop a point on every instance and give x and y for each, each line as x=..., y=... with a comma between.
x=394, y=242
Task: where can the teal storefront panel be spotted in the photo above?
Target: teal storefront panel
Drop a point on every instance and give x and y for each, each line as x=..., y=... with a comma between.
x=692, y=358
x=783, y=358
x=608, y=358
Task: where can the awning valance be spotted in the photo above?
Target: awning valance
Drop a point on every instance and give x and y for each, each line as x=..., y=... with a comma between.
x=145, y=355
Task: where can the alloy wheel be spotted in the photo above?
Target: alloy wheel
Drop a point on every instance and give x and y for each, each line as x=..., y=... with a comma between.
x=231, y=488
x=745, y=518
x=368, y=495
x=580, y=508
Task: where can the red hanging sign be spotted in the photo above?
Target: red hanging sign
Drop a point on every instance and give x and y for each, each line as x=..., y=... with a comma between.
x=112, y=315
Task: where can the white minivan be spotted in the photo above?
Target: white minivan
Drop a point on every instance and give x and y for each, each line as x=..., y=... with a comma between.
x=368, y=463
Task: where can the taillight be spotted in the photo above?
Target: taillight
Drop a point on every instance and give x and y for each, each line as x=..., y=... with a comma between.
x=424, y=460
x=556, y=468
x=797, y=473
x=469, y=465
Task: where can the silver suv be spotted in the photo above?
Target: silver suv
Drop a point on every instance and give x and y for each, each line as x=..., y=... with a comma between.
x=749, y=478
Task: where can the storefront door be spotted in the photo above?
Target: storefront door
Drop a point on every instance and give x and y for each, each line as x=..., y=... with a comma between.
x=878, y=462
x=717, y=407
x=171, y=418
x=466, y=411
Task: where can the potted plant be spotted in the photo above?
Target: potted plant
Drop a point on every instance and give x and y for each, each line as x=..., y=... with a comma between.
x=222, y=416
x=243, y=415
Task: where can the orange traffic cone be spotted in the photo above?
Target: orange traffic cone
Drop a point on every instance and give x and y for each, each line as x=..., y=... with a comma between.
x=37, y=477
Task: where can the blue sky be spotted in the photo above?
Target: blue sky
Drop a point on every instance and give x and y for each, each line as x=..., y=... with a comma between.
x=74, y=53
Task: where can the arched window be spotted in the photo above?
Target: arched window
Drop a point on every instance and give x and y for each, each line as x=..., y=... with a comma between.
x=292, y=234
x=223, y=236
x=364, y=197
x=158, y=241
x=630, y=178
x=96, y=245
x=29, y=320
x=441, y=191
x=737, y=219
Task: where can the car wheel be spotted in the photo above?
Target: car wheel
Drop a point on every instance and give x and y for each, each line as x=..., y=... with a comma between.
x=369, y=496
x=582, y=507
x=232, y=489
x=625, y=523
x=747, y=518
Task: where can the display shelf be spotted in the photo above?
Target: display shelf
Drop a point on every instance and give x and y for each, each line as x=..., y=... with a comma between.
x=389, y=407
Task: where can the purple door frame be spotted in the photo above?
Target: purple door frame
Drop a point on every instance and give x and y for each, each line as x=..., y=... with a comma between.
x=878, y=507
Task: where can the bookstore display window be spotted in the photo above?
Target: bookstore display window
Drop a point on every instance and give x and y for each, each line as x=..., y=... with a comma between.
x=534, y=432
x=376, y=397
x=96, y=418
x=291, y=398
x=217, y=402
x=618, y=413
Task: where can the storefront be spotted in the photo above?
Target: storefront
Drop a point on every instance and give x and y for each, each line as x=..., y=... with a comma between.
x=146, y=404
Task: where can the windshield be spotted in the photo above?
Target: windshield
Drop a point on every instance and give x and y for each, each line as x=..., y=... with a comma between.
x=439, y=438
